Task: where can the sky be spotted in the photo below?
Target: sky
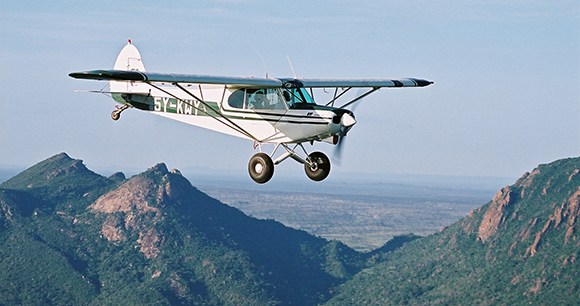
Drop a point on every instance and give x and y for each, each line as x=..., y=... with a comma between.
x=506, y=95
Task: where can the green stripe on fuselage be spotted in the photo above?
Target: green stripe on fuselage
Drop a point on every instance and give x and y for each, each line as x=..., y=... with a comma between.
x=186, y=107
x=171, y=105
x=196, y=108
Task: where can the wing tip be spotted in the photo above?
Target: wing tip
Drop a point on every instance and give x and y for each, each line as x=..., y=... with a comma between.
x=115, y=75
x=423, y=83
x=80, y=75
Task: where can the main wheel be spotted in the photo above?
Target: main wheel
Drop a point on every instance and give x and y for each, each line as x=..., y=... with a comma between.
x=261, y=168
x=320, y=168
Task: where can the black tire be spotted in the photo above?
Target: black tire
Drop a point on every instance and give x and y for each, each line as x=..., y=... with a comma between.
x=261, y=168
x=321, y=168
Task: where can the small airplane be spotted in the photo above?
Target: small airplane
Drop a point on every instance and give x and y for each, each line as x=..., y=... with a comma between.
x=278, y=111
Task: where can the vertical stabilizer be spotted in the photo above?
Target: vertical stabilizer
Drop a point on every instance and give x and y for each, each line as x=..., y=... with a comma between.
x=129, y=59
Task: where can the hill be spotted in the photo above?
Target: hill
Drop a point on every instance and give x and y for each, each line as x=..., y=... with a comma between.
x=520, y=248
x=71, y=236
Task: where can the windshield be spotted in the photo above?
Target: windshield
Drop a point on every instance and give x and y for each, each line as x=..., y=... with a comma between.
x=296, y=95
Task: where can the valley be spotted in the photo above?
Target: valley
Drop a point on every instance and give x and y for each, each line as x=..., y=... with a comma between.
x=363, y=213
x=363, y=217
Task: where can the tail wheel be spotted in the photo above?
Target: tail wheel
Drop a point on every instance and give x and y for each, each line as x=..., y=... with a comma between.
x=320, y=166
x=115, y=115
x=261, y=168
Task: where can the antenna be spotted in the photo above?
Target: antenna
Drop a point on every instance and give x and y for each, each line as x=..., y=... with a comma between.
x=291, y=67
x=260, y=55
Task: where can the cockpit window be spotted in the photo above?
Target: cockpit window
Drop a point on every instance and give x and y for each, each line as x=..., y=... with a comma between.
x=296, y=95
x=236, y=99
x=264, y=99
x=271, y=98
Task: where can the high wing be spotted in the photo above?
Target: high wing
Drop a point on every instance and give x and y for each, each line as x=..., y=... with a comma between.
x=152, y=77
x=141, y=76
x=328, y=83
x=345, y=85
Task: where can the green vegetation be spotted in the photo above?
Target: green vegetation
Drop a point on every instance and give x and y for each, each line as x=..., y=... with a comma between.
x=521, y=248
x=69, y=236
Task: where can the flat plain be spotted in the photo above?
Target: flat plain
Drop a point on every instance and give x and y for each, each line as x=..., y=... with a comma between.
x=363, y=213
x=363, y=216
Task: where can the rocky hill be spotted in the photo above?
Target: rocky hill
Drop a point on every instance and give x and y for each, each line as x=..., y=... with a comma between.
x=70, y=236
x=520, y=248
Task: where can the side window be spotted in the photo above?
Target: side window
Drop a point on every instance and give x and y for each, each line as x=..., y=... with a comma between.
x=255, y=99
x=263, y=99
x=236, y=99
x=288, y=98
x=273, y=96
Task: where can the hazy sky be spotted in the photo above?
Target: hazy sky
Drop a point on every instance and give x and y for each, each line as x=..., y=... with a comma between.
x=506, y=95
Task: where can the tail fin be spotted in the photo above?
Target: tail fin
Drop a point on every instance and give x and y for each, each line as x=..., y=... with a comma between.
x=129, y=59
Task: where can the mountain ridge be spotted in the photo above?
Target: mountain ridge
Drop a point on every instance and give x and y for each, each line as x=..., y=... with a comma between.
x=71, y=236
x=521, y=247
x=155, y=237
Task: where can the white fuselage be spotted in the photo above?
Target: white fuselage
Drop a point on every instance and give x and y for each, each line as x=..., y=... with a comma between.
x=268, y=124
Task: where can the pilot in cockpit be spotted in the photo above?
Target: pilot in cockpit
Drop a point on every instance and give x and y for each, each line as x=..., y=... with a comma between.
x=260, y=101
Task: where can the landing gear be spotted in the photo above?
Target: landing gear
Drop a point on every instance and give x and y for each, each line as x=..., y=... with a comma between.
x=116, y=114
x=261, y=168
x=319, y=166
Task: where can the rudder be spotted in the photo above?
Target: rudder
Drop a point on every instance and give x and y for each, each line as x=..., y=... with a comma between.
x=129, y=59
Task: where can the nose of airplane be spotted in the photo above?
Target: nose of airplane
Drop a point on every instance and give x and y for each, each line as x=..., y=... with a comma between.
x=347, y=120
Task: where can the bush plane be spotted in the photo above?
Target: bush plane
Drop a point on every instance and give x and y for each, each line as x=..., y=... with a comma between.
x=278, y=111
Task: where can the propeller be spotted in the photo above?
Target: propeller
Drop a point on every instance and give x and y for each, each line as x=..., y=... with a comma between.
x=346, y=124
x=337, y=157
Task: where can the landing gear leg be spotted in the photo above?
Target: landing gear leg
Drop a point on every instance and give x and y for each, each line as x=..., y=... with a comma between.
x=116, y=114
x=261, y=168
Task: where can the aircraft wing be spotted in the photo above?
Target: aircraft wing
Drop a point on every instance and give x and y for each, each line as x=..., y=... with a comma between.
x=152, y=77
x=328, y=83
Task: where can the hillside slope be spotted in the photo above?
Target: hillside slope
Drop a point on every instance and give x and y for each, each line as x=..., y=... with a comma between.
x=520, y=248
x=70, y=236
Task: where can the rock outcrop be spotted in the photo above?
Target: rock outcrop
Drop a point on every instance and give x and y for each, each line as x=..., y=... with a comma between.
x=496, y=213
x=136, y=206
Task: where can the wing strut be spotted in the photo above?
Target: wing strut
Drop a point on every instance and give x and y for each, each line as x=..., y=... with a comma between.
x=361, y=96
x=331, y=103
x=231, y=124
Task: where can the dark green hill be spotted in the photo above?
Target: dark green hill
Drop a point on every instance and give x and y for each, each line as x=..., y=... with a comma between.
x=521, y=248
x=70, y=236
x=64, y=181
